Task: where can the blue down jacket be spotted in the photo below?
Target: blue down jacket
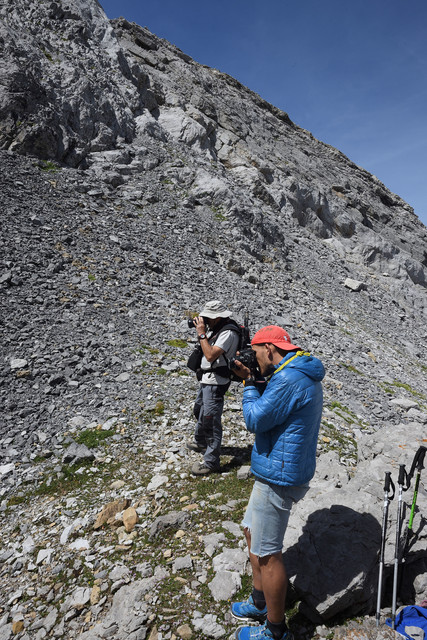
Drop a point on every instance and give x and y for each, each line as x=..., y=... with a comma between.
x=285, y=419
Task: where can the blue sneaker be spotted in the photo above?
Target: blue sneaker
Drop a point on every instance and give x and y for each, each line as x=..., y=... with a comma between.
x=260, y=632
x=248, y=611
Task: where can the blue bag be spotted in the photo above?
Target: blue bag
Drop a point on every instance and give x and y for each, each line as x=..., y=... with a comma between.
x=411, y=622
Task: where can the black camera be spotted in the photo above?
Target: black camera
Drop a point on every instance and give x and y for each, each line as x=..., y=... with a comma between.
x=191, y=322
x=248, y=358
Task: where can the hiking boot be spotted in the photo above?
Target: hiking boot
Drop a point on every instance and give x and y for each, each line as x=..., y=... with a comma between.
x=201, y=469
x=248, y=611
x=260, y=632
x=195, y=446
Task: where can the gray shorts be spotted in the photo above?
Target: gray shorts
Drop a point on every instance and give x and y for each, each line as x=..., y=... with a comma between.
x=267, y=515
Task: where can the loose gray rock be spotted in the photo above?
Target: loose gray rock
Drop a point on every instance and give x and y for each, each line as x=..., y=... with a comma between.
x=208, y=625
x=172, y=519
x=77, y=453
x=354, y=285
x=231, y=560
x=184, y=562
x=18, y=363
x=405, y=403
x=225, y=584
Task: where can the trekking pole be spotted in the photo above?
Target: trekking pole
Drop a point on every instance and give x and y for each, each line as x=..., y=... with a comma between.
x=418, y=463
x=388, y=482
x=402, y=481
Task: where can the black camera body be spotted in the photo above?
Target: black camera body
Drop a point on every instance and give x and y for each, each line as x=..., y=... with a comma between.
x=248, y=359
x=192, y=325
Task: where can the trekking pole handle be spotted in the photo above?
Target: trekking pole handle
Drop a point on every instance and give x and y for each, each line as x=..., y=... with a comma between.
x=419, y=457
x=388, y=482
x=418, y=461
x=403, y=478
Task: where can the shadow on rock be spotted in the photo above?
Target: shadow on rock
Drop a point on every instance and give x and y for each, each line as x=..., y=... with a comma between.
x=413, y=565
x=240, y=456
x=411, y=581
x=333, y=566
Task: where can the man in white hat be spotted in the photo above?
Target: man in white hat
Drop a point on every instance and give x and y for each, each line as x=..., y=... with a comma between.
x=219, y=339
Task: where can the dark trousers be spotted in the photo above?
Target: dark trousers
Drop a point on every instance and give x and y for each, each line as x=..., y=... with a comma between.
x=208, y=411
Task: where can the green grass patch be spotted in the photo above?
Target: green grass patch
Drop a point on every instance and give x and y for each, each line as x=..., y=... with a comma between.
x=349, y=367
x=228, y=485
x=14, y=500
x=408, y=388
x=144, y=347
x=93, y=437
x=75, y=476
x=65, y=481
x=142, y=366
x=159, y=409
x=386, y=387
x=48, y=165
x=344, y=445
x=344, y=412
x=180, y=344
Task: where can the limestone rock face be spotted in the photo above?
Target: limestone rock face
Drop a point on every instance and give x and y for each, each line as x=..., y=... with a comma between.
x=57, y=61
x=77, y=88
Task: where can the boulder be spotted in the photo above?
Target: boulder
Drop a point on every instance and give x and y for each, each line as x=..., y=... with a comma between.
x=77, y=453
x=109, y=511
x=332, y=543
x=354, y=285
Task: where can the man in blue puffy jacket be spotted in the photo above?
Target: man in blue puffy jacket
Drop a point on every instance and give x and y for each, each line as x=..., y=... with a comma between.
x=284, y=413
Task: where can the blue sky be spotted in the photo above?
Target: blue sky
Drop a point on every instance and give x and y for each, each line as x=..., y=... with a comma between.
x=353, y=72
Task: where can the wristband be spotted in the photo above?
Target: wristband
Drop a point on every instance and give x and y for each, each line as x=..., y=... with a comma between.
x=249, y=382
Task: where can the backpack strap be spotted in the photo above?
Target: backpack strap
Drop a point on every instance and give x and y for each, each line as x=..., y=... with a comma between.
x=225, y=371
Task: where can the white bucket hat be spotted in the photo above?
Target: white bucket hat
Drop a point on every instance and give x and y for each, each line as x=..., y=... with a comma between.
x=215, y=309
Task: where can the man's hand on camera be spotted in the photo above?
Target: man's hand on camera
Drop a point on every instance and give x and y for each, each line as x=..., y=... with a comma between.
x=240, y=370
x=199, y=323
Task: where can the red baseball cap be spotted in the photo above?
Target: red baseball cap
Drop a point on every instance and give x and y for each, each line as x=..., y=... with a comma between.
x=274, y=335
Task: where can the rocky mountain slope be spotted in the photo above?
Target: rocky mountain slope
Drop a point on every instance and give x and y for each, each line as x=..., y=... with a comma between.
x=136, y=184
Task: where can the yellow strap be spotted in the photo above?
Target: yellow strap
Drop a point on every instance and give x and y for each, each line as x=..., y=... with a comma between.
x=298, y=353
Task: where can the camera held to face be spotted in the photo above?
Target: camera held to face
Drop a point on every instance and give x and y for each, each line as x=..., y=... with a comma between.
x=192, y=325
x=248, y=359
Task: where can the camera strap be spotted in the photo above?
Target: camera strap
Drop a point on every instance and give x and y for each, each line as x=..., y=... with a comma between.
x=298, y=353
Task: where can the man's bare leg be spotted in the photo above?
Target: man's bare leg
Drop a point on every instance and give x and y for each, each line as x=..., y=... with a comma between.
x=269, y=576
x=274, y=583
